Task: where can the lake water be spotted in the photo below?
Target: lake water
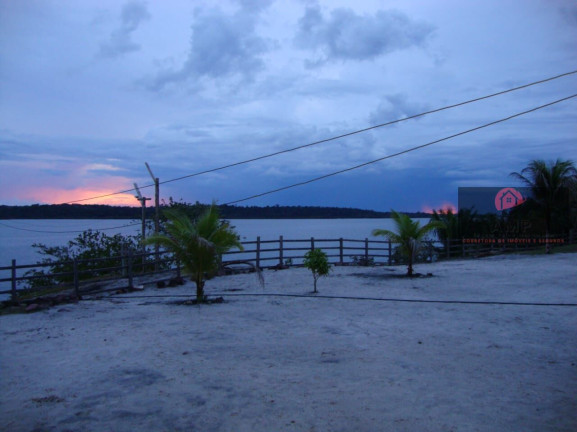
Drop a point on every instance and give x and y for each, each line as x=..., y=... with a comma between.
x=17, y=236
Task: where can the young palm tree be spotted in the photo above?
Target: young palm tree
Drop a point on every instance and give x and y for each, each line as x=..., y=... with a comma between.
x=449, y=226
x=198, y=244
x=409, y=235
x=550, y=184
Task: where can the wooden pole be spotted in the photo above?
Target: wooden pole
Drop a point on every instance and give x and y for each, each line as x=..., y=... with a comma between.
x=123, y=260
x=143, y=203
x=280, y=253
x=341, y=254
x=258, y=251
x=76, y=278
x=129, y=270
x=156, y=214
x=143, y=250
x=14, y=290
x=142, y=200
x=156, y=221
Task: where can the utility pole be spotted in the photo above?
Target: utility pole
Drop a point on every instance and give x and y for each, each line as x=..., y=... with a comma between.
x=142, y=200
x=156, y=212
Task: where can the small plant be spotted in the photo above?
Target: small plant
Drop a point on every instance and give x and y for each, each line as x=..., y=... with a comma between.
x=317, y=262
x=408, y=236
x=197, y=243
x=363, y=261
x=97, y=253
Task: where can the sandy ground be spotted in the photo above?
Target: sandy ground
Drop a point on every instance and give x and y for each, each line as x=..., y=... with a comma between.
x=273, y=363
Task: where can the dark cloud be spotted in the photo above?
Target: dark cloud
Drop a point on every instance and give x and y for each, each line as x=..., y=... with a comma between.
x=394, y=107
x=255, y=6
x=120, y=41
x=222, y=46
x=344, y=35
x=569, y=13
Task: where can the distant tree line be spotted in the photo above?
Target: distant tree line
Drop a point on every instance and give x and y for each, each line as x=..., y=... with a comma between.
x=303, y=212
x=70, y=211
x=90, y=211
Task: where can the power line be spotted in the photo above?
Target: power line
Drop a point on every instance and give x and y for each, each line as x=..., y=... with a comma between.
x=66, y=232
x=326, y=297
x=502, y=120
x=336, y=137
x=107, y=195
x=402, y=152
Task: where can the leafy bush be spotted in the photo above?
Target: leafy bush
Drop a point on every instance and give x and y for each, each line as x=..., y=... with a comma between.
x=317, y=262
x=96, y=253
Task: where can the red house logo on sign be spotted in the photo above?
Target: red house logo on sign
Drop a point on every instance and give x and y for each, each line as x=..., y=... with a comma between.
x=508, y=198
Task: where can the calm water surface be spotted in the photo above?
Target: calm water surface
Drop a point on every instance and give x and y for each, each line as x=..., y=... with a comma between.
x=17, y=236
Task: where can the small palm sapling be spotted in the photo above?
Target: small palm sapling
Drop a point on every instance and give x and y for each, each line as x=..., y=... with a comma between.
x=197, y=244
x=409, y=235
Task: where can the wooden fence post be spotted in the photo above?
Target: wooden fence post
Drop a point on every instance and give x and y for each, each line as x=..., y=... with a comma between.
x=312, y=243
x=76, y=278
x=258, y=251
x=122, y=260
x=390, y=252
x=129, y=270
x=341, y=255
x=280, y=252
x=14, y=290
x=367, y=251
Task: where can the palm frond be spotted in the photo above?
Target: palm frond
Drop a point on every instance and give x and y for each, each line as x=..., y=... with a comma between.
x=408, y=235
x=198, y=244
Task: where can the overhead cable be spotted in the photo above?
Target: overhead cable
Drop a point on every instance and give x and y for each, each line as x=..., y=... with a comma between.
x=328, y=297
x=67, y=232
x=335, y=137
x=402, y=152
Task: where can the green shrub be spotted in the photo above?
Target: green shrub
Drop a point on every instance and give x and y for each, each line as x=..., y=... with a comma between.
x=317, y=262
x=96, y=253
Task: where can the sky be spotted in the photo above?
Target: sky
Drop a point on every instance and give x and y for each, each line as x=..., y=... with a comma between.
x=91, y=90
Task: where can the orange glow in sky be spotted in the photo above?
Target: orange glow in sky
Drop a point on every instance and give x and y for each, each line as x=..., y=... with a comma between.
x=60, y=196
x=444, y=207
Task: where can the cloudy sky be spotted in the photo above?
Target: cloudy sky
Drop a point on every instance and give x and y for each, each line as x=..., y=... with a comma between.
x=90, y=90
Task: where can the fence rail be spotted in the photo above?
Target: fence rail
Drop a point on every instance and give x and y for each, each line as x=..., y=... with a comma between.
x=82, y=276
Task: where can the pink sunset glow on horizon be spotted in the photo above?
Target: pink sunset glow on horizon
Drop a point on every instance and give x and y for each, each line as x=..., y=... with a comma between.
x=48, y=195
x=257, y=103
x=443, y=208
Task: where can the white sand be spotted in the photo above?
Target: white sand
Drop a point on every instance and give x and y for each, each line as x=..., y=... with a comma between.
x=307, y=364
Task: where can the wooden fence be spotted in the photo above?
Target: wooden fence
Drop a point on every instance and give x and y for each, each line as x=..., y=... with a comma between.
x=81, y=276
x=283, y=252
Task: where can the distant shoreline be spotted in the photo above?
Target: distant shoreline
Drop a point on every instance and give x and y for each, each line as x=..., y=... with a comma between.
x=78, y=211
